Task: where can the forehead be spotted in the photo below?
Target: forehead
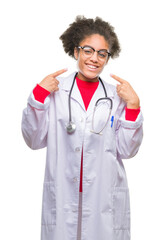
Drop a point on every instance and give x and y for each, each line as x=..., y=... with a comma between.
x=96, y=41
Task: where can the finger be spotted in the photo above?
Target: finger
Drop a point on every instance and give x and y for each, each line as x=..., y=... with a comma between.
x=120, y=80
x=56, y=89
x=56, y=81
x=59, y=72
x=118, y=87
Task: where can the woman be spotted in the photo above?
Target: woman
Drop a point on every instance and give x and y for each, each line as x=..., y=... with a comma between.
x=85, y=193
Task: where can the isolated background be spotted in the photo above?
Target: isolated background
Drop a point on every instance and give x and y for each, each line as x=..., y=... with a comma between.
x=30, y=49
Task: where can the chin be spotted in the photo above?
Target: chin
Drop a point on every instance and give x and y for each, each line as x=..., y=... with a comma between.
x=90, y=75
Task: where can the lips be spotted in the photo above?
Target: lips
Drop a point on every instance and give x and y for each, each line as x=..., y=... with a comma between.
x=92, y=67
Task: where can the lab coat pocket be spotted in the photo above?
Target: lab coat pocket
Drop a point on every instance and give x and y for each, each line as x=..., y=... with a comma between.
x=49, y=204
x=121, y=209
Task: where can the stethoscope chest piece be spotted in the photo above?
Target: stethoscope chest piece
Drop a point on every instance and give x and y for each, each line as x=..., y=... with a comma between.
x=71, y=127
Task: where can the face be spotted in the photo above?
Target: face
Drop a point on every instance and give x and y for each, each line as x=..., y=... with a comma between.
x=89, y=68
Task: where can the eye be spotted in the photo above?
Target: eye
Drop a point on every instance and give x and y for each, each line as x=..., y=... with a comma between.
x=87, y=50
x=102, y=54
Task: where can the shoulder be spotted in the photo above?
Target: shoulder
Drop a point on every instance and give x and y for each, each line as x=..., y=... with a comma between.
x=66, y=81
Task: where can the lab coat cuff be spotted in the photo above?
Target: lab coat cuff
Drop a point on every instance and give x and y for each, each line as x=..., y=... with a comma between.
x=38, y=105
x=40, y=93
x=131, y=114
x=132, y=125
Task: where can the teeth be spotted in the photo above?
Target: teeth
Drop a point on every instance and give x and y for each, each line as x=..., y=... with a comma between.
x=91, y=66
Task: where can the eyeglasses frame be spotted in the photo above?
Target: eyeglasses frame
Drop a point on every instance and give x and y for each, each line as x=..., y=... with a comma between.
x=80, y=47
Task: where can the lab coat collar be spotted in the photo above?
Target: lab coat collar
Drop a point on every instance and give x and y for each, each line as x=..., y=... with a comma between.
x=76, y=95
x=67, y=83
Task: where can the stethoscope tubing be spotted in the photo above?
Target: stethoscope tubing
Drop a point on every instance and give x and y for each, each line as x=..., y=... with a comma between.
x=71, y=126
x=69, y=98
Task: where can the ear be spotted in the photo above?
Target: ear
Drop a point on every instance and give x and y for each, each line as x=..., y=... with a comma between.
x=76, y=53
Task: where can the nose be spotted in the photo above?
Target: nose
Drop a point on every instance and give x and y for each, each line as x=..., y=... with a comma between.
x=94, y=57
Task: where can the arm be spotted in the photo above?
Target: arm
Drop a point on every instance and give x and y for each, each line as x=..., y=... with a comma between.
x=129, y=134
x=35, y=120
x=129, y=128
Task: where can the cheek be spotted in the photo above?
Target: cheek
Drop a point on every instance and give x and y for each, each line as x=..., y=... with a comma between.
x=80, y=64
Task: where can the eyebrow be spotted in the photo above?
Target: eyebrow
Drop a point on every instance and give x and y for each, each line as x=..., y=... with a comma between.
x=95, y=49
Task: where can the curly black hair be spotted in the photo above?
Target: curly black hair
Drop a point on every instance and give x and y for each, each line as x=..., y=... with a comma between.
x=84, y=27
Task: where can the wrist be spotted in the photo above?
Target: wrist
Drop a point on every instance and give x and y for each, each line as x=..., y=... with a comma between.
x=133, y=104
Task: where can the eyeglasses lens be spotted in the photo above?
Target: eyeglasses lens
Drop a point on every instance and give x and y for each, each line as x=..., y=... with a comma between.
x=88, y=52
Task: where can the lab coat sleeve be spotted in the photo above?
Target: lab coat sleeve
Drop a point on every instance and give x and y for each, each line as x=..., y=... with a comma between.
x=129, y=135
x=35, y=121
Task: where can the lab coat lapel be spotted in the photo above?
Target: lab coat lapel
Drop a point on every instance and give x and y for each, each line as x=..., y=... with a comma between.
x=75, y=95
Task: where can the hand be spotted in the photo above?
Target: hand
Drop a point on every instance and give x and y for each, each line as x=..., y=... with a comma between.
x=50, y=83
x=127, y=93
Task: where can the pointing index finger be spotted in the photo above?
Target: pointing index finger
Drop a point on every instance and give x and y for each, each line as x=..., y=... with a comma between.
x=56, y=74
x=120, y=80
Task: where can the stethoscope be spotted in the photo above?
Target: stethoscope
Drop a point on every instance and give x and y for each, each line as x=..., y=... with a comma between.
x=71, y=126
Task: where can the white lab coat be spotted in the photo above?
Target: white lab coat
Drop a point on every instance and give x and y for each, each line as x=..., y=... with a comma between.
x=105, y=206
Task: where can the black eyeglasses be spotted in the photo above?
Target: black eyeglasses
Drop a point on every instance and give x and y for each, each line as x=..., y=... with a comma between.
x=88, y=51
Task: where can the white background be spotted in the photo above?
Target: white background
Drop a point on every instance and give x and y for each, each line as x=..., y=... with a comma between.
x=30, y=49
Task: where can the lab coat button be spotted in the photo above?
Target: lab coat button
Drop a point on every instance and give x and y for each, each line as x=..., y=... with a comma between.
x=107, y=150
x=74, y=179
x=74, y=210
x=77, y=149
x=88, y=181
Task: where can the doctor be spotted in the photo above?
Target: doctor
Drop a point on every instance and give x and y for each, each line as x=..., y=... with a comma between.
x=85, y=192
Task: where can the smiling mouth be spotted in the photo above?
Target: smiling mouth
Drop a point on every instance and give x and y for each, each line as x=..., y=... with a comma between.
x=92, y=67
